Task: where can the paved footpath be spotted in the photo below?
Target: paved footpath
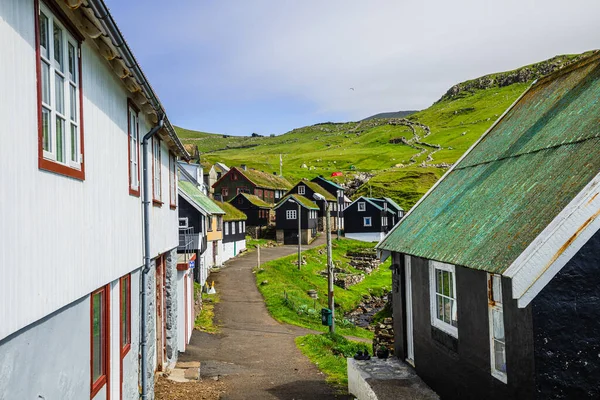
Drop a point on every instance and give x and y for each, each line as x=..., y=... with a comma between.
x=253, y=354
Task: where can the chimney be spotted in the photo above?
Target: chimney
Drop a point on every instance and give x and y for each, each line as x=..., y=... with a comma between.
x=244, y=167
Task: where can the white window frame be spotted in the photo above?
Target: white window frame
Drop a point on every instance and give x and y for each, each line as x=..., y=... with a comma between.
x=301, y=189
x=226, y=228
x=69, y=99
x=241, y=225
x=172, y=180
x=495, y=303
x=134, y=149
x=384, y=221
x=290, y=214
x=365, y=221
x=157, y=167
x=185, y=222
x=433, y=295
x=362, y=206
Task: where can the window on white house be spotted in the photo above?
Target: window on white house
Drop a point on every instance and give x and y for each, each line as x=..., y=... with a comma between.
x=226, y=232
x=59, y=65
x=496, y=318
x=156, y=165
x=233, y=228
x=134, y=151
x=367, y=221
x=362, y=206
x=301, y=189
x=219, y=223
x=290, y=214
x=442, y=289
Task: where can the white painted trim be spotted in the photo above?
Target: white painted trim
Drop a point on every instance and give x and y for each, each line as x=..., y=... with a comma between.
x=556, y=244
x=435, y=185
x=501, y=376
x=443, y=326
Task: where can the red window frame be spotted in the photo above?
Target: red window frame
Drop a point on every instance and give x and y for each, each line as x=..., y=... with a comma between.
x=133, y=191
x=44, y=163
x=157, y=202
x=172, y=181
x=105, y=341
x=224, y=192
x=125, y=340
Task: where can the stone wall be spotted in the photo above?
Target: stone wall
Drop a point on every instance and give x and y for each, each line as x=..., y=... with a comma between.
x=384, y=335
x=346, y=280
x=279, y=236
x=171, y=303
x=150, y=328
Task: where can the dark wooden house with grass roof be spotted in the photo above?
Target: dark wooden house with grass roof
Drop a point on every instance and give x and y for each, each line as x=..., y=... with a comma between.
x=268, y=187
x=257, y=211
x=308, y=189
x=234, y=230
x=286, y=219
x=496, y=270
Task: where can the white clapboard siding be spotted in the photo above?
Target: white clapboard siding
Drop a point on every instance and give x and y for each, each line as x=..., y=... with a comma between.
x=61, y=238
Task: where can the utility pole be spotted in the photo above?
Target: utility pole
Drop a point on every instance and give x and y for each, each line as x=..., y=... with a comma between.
x=329, y=267
x=299, y=238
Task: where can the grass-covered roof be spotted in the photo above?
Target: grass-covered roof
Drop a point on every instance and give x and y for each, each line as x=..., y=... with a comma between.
x=257, y=201
x=199, y=198
x=231, y=213
x=304, y=202
x=266, y=180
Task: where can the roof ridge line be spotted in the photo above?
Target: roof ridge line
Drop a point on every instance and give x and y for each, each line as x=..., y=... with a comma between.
x=528, y=152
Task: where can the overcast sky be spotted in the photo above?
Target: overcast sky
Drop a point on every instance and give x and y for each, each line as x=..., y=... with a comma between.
x=268, y=66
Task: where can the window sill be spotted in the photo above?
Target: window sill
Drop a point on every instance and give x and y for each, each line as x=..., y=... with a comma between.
x=134, y=192
x=173, y=206
x=61, y=169
x=125, y=350
x=96, y=386
x=157, y=203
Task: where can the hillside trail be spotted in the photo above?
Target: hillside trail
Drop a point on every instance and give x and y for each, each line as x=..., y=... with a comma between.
x=254, y=355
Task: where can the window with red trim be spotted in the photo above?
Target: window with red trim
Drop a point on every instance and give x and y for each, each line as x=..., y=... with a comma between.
x=156, y=171
x=125, y=311
x=60, y=116
x=172, y=180
x=100, y=338
x=133, y=149
x=225, y=192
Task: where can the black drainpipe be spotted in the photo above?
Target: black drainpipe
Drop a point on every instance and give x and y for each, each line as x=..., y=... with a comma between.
x=146, y=202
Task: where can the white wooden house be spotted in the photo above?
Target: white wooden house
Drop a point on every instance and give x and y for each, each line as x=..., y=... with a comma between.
x=74, y=108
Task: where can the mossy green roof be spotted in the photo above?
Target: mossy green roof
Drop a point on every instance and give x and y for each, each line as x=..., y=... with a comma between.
x=304, y=202
x=315, y=187
x=265, y=180
x=202, y=200
x=257, y=201
x=492, y=205
x=231, y=213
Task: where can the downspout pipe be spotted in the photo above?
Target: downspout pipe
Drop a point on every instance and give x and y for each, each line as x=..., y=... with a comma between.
x=144, y=308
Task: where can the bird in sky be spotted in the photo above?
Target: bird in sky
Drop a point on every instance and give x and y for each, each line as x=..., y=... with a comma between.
x=351, y=88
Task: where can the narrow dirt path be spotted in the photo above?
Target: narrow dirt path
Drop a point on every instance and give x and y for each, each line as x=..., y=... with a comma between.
x=254, y=355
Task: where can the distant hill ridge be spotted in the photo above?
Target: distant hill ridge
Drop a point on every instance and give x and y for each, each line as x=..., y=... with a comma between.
x=393, y=114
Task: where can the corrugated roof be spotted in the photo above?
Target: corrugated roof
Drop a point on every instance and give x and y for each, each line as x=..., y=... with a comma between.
x=231, y=213
x=393, y=204
x=265, y=180
x=514, y=182
x=202, y=200
x=305, y=202
x=257, y=201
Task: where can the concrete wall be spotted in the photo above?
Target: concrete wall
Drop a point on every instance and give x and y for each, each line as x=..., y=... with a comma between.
x=365, y=236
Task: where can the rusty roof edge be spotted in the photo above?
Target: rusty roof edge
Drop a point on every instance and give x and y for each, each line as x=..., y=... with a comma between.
x=556, y=244
x=381, y=244
x=569, y=68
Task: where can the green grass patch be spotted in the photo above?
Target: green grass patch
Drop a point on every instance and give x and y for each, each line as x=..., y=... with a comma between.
x=328, y=352
x=205, y=321
x=285, y=290
x=252, y=243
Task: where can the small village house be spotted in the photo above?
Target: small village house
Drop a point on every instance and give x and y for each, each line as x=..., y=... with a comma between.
x=268, y=187
x=342, y=201
x=257, y=211
x=369, y=219
x=286, y=219
x=76, y=107
x=307, y=189
x=195, y=174
x=234, y=231
x=496, y=269
x=210, y=176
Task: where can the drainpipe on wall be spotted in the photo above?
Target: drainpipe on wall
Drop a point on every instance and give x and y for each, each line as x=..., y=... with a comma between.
x=146, y=202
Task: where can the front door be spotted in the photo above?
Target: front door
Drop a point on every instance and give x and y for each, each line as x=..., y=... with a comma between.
x=410, y=346
x=215, y=249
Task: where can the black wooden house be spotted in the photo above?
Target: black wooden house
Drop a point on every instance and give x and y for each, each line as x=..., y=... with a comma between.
x=257, y=211
x=369, y=219
x=286, y=219
x=308, y=189
x=337, y=211
x=496, y=271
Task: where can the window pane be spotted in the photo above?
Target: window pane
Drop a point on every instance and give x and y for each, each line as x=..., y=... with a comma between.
x=440, y=307
x=59, y=88
x=438, y=281
x=498, y=324
x=45, y=83
x=58, y=51
x=497, y=289
x=454, y=313
x=97, y=339
x=450, y=284
x=44, y=35
x=499, y=356
x=73, y=102
x=74, y=150
x=72, y=62
x=60, y=139
x=47, y=140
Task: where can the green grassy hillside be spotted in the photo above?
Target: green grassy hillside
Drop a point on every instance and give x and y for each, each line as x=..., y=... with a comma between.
x=404, y=166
